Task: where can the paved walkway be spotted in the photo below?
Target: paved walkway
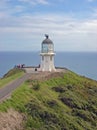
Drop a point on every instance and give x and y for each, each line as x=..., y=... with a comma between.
x=30, y=73
x=6, y=91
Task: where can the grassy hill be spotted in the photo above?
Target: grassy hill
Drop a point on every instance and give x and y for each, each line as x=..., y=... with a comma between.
x=10, y=76
x=62, y=101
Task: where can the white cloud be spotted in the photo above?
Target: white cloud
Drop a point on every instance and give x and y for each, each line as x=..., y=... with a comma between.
x=90, y=0
x=42, y=1
x=64, y=29
x=34, y=2
x=71, y=33
x=28, y=1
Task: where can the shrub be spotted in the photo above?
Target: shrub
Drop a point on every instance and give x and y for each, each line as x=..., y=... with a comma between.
x=68, y=101
x=34, y=109
x=48, y=117
x=52, y=103
x=59, y=89
x=70, y=87
x=85, y=115
x=36, y=86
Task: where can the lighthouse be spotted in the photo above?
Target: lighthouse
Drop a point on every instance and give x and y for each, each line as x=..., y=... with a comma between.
x=47, y=55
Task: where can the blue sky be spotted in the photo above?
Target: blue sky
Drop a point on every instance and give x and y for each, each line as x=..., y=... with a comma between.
x=71, y=24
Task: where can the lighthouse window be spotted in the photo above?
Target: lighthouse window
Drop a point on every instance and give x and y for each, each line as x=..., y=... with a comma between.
x=45, y=48
x=50, y=57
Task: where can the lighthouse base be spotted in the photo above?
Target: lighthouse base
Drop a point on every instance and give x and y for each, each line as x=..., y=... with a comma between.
x=47, y=63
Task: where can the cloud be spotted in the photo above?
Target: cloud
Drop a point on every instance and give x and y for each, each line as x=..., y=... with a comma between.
x=52, y=21
x=27, y=1
x=65, y=29
x=90, y=0
x=54, y=24
x=42, y=1
x=34, y=2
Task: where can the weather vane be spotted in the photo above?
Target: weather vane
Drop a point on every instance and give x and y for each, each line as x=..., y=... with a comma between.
x=46, y=35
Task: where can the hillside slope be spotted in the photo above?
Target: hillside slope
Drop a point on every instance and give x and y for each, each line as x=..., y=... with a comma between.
x=12, y=74
x=59, y=101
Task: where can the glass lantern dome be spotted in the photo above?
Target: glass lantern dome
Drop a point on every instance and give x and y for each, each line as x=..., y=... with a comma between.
x=47, y=45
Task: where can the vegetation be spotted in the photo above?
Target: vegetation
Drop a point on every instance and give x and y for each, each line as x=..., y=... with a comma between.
x=10, y=76
x=67, y=102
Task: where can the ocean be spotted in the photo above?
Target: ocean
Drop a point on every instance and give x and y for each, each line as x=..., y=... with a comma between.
x=82, y=63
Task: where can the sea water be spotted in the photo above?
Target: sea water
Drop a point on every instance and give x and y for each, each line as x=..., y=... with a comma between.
x=83, y=63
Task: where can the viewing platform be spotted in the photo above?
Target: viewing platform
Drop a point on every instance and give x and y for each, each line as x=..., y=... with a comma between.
x=35, y=69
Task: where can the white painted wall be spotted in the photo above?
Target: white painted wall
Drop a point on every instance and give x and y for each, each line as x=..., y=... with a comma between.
x=47, y=62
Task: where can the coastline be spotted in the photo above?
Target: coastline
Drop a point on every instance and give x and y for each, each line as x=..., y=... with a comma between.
x=83, y=63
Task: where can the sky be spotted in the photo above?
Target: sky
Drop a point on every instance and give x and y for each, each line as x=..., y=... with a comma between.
x=70, y=24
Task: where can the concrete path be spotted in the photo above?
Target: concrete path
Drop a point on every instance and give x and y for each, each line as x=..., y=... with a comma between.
x=6, y=91
x=30, y=73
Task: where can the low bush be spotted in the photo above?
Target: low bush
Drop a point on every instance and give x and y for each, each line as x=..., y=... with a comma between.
x=36, y=86
x=68, y=101
x=48, y=117
x=59, y=89
x=70, y=86
x=85, y=115
x=34, y=109
x=52, y=103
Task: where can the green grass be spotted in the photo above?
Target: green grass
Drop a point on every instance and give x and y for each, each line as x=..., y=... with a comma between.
x=61, y=103
x=10, y=76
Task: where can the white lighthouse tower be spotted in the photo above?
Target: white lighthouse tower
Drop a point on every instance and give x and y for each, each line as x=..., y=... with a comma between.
x=47, y=55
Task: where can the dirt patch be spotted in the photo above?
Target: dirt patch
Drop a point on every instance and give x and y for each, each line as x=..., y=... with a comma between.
x=41, y=76
x=11, y=120
x=54, y=75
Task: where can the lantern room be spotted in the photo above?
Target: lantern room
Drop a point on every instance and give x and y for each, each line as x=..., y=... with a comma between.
x=47, y=45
